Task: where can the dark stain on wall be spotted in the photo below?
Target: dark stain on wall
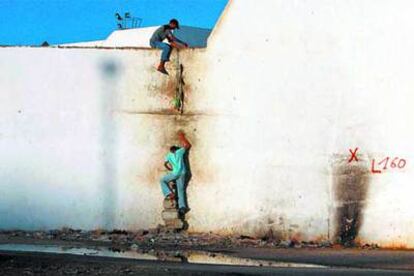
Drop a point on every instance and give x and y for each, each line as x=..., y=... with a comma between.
x=351, y=183
x=110, y=71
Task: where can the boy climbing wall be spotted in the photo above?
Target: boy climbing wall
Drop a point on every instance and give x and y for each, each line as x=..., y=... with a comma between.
x=175, y=163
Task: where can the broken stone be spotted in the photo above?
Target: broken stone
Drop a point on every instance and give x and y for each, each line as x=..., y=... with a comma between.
x=141, y=232
x=102, y=238
x=243, y=237
x=168, y=215
x=119, y=232
x=38, y=235
x=370, y=246
x=174, y=223
x=153, y=231
x=287, y=243
x=98, y=232
x=325, y=244
x=310, y=244
x=297, y=245
x=169, y=204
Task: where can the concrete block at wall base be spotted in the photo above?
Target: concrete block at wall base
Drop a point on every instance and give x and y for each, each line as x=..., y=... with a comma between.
x=169, y=214
x=169, y=204
x=174, y=223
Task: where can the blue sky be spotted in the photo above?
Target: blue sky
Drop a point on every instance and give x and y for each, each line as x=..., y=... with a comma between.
x=30, y=22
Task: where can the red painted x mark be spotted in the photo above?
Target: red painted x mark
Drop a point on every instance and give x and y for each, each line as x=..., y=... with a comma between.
x=353, y=155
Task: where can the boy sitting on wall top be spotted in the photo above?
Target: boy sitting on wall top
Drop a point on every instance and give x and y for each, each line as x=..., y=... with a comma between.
x=156, y=41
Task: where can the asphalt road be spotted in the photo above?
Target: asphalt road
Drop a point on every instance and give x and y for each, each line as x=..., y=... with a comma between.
x=22, y=263
x=351, y=257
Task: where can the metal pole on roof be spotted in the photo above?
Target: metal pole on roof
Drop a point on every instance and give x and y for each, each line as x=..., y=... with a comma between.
x=119, y=20
x=138, y=22
x=128, y=21
x=127, y=18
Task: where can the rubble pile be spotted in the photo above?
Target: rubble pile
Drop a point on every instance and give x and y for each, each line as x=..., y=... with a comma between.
x=164, y=237
x=170, y=215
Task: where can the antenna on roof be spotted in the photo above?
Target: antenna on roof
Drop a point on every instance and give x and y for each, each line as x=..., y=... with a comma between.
x=120, y=20
x=136, y=22
x=128, y=21
x=118, y=16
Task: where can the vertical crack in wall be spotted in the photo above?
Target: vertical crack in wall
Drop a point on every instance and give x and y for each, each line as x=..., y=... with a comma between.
x=179, y=122
x=351, y=182
x=179, y=93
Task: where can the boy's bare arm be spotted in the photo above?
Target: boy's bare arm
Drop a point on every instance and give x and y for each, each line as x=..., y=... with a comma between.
x=183, y=140
x=168, y=165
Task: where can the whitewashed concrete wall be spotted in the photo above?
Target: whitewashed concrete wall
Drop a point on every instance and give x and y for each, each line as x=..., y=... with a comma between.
x=298, y=85
x=272, y=108
x=65, y=155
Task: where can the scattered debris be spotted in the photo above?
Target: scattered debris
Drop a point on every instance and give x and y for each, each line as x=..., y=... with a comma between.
x=165, y=237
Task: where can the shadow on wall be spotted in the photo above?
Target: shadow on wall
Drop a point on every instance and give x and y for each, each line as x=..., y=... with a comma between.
x=110, y=71
x=351, y=183
x=189, y=175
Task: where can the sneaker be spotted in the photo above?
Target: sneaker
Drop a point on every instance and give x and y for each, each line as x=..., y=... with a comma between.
x=162, y=70
x=183, y=210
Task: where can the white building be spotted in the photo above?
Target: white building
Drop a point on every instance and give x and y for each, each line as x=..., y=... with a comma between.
x=139, y=37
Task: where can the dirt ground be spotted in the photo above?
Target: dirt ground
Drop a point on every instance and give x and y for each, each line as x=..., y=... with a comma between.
x=163, y=238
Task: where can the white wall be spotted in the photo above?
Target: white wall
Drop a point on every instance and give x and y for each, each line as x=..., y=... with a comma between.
x=94, y=43
x=121, y=38
x=272, y=108
x=301, y=85
x=133, y=37
x=60, y=136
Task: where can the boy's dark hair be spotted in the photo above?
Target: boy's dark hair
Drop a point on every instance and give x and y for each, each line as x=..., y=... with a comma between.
x=175, y=21
x=173, y=148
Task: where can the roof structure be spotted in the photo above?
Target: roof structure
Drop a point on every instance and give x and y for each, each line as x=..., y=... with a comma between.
x=139, y=37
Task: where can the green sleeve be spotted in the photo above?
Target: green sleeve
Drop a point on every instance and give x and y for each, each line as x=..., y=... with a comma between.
x=181, y=152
